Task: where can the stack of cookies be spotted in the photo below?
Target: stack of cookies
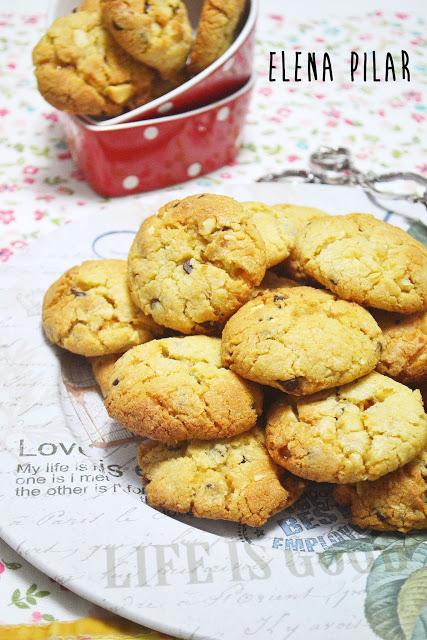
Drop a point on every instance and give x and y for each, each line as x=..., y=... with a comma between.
x=111, y=56
x=221, y=301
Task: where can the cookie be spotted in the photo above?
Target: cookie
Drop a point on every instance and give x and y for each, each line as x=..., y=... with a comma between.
x=366, y=260
x=80, y=69
x=395, y=502
x=301, y=340
x=274, y=229
x=404, y=355
x=102, y=368
x=196, y=262
x=90, y=5
x=360, y=431
x=232, y=479
x=218, y=22
x=89, y=311
x=175, y=389
x=155, y=32
x=296, y=218
x=273, y=282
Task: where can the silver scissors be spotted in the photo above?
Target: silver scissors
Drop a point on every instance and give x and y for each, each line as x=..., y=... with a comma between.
x=334, y=166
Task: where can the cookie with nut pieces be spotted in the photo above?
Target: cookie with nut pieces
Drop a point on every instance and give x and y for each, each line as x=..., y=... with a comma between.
x=233, y=479
x=176, y=389
x=155, y=32
x=89, y=311
x=301, y=340
x=404, y=354
x=80, y=69
x=361, y=431
x=366, y=260
x=196, y=262
x=395, y=502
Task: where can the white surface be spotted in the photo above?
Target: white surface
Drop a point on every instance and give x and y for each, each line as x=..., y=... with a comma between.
x=109, y=546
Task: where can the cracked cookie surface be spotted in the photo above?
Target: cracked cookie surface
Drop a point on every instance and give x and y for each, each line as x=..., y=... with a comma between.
x=89, y=311
x=296, y=218
x=155, y=32
x=218, y=22
x=395, y=502
x=274, y=229
x=301, y=340
x=80, y=69
x=195, y=263
x=360, y=431
x=102, y=369
x=175, y=389
x=404, y=355
x=366, y=260
x=231, y=479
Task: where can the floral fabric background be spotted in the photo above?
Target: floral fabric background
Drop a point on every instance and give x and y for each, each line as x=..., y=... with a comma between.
x=382, y=123
x=41, y=187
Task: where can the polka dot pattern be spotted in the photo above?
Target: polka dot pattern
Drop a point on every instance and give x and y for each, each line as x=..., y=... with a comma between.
x=130, y=182
x=151, y=133
x=194, y=169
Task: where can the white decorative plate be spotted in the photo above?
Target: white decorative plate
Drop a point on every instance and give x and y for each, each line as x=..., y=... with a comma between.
x=73, y=505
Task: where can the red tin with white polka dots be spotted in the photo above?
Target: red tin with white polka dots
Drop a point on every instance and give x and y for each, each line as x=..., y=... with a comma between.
x=226, y=75
x=151, y=154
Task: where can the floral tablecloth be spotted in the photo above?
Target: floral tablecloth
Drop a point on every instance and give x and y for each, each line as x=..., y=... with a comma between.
x=41, y=189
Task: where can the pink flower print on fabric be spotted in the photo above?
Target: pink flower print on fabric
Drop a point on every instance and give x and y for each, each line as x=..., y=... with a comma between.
x=7, y=216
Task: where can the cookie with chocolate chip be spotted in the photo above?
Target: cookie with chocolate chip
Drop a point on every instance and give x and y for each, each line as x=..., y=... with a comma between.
x=89, y=311
x=361, y=431
x=233, y=479
x=395, y=502
x=176, y=388
x=102, y=369
x=301, y=340
x=155, y=32
x=196, y=262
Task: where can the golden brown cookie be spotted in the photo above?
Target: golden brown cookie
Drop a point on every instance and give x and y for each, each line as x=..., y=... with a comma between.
x=301, y=340
x=233, y=479
x=155, y=32
x=175, y=389
x=218, y=22
x=366, y=260
x=361, y=431
x=404, y=355
x=89, y=311
x=274, y=229
x=296, y=218
x=395, y=502
x=102, y=368
x=80, y=69
x=90, y=5
x=196, y=262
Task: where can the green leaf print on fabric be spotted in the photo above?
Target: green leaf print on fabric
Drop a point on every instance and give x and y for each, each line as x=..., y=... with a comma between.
x=396, y=587
x=412, y=604
x=418, y=230
x=387, y=576
x=29, y=599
